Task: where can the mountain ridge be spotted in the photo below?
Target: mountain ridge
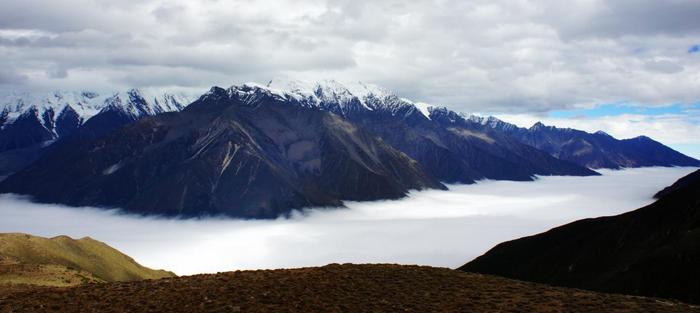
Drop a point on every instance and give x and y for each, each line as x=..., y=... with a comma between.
x=593, y=150
x=30, y=122
x=450, y=156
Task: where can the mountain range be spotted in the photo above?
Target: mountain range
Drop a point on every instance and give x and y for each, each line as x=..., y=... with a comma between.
x=592, y=150
x=652, y=251
x=29, y=122
x=228, y=153
x=259, y=151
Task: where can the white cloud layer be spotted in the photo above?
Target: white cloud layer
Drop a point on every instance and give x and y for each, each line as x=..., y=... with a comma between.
x=479, y=55
x=439, y=228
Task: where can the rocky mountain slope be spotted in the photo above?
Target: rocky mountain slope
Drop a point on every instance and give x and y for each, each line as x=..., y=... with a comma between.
x=444, y=148
x=652, y=251
x=332, y=288
x=593, y=150
x=231, y=152
x=62, y=261
x=29, y=122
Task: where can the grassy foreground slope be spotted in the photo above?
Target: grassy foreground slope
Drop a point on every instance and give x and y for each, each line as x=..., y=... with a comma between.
x=332, y=288
x=63, y=261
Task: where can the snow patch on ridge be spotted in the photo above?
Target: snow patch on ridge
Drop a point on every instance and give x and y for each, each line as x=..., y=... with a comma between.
x=336, y=96
x=89, y=103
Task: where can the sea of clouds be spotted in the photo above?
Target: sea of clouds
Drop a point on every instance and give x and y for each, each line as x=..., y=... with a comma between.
x=438, y=228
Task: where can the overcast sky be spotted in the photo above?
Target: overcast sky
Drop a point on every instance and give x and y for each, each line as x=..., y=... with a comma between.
x=492, y=56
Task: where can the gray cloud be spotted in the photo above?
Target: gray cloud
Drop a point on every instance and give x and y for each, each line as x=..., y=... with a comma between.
x=618, y=18
x=663, y=66
x=11, y=77
x=475, y=56
x=439, y=228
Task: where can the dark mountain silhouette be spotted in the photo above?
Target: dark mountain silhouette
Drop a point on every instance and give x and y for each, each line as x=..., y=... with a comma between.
x=593, y=150
x=684, y=182
x=231, y=152
x=652, y=251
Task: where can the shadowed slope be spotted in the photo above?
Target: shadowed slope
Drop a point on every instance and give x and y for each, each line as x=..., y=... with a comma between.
x=652, y=251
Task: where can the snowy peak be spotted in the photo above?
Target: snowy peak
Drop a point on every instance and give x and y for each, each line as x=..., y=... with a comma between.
x=50, y=116
x=330, y=95
x=89, y=103
x=491, y=121
x=537, y=126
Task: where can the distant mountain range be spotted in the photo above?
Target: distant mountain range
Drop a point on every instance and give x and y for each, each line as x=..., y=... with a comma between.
x=593, y=150
x=262, y=150
x=653, y=251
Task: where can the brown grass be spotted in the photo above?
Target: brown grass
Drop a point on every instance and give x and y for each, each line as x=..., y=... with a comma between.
x=332, y=288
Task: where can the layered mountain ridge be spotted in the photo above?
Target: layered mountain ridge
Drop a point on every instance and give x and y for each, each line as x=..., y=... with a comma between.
x=60, y=112
x=29, y=122
x=593, y=150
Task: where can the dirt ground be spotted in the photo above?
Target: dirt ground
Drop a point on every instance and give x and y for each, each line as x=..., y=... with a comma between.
x=332, y=288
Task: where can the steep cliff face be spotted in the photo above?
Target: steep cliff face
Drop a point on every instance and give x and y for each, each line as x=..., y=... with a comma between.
x=224, y=154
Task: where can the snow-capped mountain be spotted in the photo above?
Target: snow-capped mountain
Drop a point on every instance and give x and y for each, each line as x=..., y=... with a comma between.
x=492, y=122
x=31, y=121
x=345, y=99
x=453, y=147
x=85, y=104
x=373, y=106
x=224, y=154
x=425, y=133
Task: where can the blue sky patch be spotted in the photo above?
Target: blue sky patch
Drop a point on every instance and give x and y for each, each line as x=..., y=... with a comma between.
x=616, y=109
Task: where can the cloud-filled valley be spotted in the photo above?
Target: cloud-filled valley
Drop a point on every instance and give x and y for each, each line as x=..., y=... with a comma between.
x=440, y=228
